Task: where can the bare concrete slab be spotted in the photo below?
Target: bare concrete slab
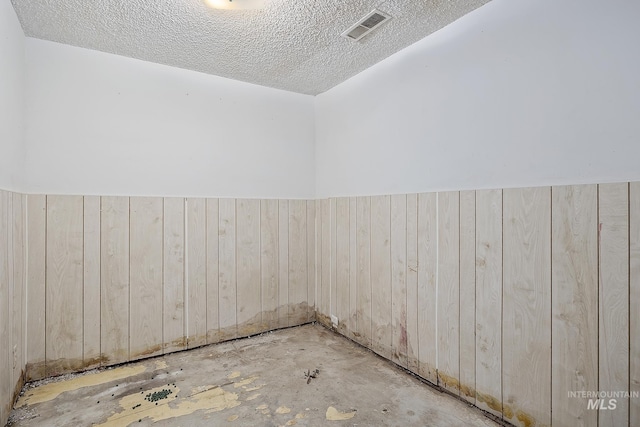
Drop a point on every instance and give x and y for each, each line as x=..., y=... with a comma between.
x=268, y=380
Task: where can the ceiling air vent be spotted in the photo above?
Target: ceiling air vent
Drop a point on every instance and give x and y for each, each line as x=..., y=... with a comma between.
x=367, y=24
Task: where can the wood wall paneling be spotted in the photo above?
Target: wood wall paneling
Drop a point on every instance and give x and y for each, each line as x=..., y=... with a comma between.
x=297, y=312
x=342, y=264
x=613, y=336
x=5, y=308
x=311, y=260
x=35, y=286
x=325, y=272
x=489, y=300
x=427, y=264
x=526, y=353
x=173, y=318
x=196, y=267
x=634, y=297
x=64, y=283
x=353, y=270
x=114, y=280
x=283, y=248
x=363, y=264
x=574, y=309
x=19, y=293
x=412, y=283
x=333, y=291
x=269, y=251
x=91, y=279
x=448, y=282
x=145, y=277
x=399, y=279
x=381, y=292
x=468, y=296
x=213, y=297
x=249, y=299
x=227, y=268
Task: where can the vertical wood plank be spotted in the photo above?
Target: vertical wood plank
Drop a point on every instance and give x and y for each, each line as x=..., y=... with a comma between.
x=269, y=261
x=114, y=279
x=5, y=308
x=297, y=312
x=283, y=248
x=613, y=299
x=196, y=272
x=333, y=292
x=363, y=252
x=399, y=279
x=227, y=257
x=311, y=260
x=342, y=264
x=36, y=306
x=174, y=337
x=353, y=270
x=427, y=264
x=64, y=278
x=91, y=297
x=448, y=283
x=574, y=296
x=526, y=352
x=325, y=276
x=412, y=283
x=489, y=300
x=145, y=277
x=8, y=326
x=18, y=313
x=381, y=294
x=249, y=299
x=634, y=295
x=213, y=298
x=468, y=295
x=319, y=267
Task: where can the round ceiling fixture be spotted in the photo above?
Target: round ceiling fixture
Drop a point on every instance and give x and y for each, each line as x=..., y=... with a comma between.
x=236, y=4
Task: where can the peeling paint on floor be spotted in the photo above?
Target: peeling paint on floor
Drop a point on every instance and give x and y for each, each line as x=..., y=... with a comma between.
x=213, y=386
x=245, y=382
x=47, y=392
x=214, y=399
x=334, y=415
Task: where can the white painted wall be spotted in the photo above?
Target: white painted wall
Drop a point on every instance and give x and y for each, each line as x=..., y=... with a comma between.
x=517, y=93
x=110, y=125
x=11, y=98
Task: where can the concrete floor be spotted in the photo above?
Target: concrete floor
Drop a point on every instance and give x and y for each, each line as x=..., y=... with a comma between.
x=258, y=381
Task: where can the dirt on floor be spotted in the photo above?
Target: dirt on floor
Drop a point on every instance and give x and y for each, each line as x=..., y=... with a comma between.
x=304, y=376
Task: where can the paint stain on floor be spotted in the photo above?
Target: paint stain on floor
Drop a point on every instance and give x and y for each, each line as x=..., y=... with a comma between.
x=334, y=415
x=245, y=382
x=234, y=374
x=283, y=410
x=135, y=408
x=47, y=392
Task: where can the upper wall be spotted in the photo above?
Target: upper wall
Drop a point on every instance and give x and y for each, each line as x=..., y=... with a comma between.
x=109, y=125
x=11, y=98
x=526, y=93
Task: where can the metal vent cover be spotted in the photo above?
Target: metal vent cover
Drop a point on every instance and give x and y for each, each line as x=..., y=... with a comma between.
x=364, y=26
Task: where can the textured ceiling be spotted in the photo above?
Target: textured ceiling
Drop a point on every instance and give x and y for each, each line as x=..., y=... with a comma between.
x=290, y=44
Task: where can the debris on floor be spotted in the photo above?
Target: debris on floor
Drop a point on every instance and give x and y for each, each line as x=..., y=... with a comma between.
x=311, y=374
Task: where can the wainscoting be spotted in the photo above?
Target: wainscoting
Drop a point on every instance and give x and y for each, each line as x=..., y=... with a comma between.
x=508, y=298
x=12, y=299
x=511, y=299
x=114, y=279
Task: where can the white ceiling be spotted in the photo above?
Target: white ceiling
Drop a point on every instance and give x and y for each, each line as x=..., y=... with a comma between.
x=293, y=45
